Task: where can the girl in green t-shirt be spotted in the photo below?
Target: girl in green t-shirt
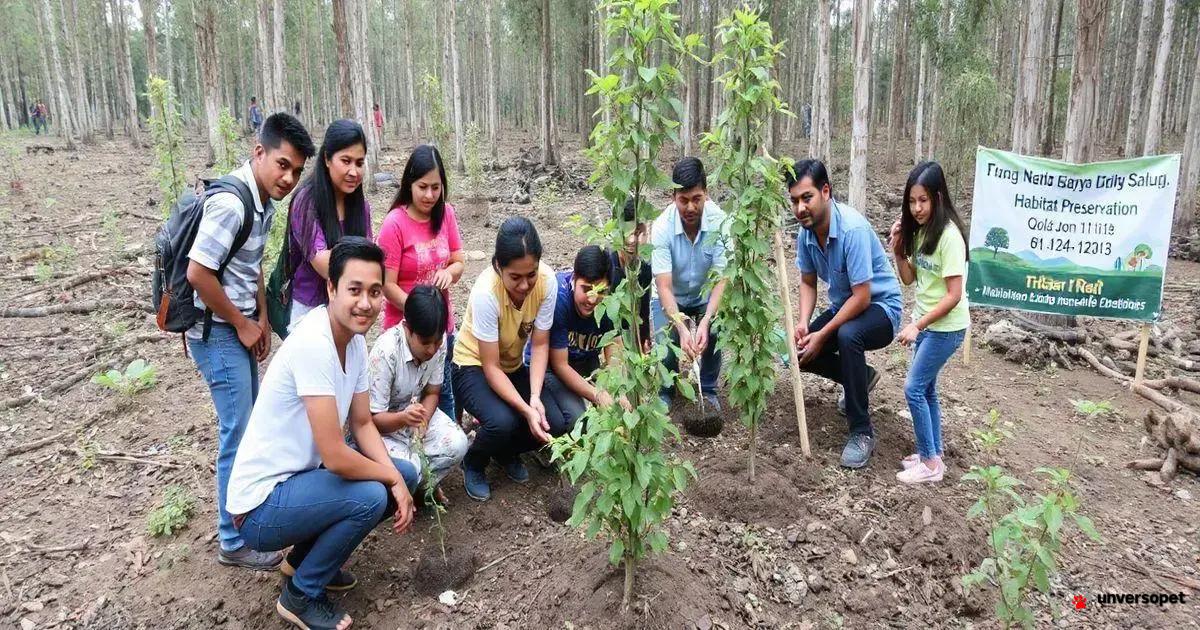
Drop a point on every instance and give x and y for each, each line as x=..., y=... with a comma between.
x=927, y=244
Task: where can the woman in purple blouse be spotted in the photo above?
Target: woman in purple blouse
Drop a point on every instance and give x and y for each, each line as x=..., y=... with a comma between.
x=328, y=205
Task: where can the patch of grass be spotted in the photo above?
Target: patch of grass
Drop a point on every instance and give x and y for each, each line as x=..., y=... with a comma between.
x=173, y=513
x=138, y=377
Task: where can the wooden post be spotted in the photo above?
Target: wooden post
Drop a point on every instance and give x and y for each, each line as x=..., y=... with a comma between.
x=967, y=346
x=789, y=330
x=1143, y=345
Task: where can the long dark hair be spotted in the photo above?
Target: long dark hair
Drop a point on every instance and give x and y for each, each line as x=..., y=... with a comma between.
x=517, y=238
x=929, y=176
x=423, y=159
x=319, y=188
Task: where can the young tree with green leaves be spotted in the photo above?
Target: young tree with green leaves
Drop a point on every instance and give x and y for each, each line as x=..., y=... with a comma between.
x=617, y=451
x=166, y=128
x=750, y=307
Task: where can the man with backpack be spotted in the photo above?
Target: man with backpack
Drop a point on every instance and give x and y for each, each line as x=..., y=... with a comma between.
x=256, y=118
x=234, y=335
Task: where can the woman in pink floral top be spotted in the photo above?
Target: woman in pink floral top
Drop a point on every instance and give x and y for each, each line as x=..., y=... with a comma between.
x=421, y=244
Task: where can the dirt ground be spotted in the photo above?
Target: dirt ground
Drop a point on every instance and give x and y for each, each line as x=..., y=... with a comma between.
x=810, y=545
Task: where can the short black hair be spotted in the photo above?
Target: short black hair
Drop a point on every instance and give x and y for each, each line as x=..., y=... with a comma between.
x=689, y=173
x=516, y=239
x=811, y=168
x=253, y=99
x=283, y=127
x=592, y=263
x=353, y=248
x=425, y=311
x=630, y=211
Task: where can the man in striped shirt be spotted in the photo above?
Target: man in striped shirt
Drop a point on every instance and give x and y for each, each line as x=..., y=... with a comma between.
x=240, y=336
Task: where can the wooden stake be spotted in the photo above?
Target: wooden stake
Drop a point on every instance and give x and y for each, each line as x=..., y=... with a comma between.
x=1139, y=372
x=967, y=347
x=789, y=327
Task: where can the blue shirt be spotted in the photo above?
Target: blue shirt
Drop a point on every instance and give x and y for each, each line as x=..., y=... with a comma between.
x=688, y=261
x=579, y=335
x=853, y=255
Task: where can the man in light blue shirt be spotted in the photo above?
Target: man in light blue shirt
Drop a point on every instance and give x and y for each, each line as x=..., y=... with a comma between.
x=838, y=245
x=689, y=240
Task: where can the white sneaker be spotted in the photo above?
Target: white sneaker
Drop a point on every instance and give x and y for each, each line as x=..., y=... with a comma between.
x=920, y=473
x=910, y=461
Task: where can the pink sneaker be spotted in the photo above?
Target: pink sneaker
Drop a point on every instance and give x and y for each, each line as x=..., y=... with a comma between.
x=910, y=461
x=920, y=473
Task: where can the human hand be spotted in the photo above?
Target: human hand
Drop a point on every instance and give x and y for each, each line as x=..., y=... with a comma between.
x=536, y=417
x=442, y=279
x=262, y=348
x=908, y=334
x=700, y=335
x=404, y=507
x=250, y=333
x=800, y=333
x=811, y=346
x=895, y=240
x=414, y=415
x=603, y=399
x=686, y=343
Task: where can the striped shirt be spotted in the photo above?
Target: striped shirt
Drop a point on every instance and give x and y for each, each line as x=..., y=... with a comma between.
x=223, y=215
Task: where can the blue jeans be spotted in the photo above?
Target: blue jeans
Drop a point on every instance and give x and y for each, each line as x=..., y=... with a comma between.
x=323, y=517
x=931, y=351
x=710, y=359
x=232, y=376
x=446, y=399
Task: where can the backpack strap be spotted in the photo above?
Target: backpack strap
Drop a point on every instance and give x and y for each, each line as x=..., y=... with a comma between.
x=235, y=186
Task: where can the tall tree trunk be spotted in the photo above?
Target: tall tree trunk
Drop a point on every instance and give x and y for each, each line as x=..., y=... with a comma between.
x=205, y=27
x=860, y=132
x=1189, y=184
x=1026, y=100
x=919, y=131
x=547, y=104
x=262, y=47
x=149, y=9
x=279, y=100
x=896, y=126
x=689, y=70
x=1079, y=143
x=410, y=80
x=935, y=90
x=125, y=68
x=343, y=58
x=78, y=86
x=58, y=87
x=1154, y=113
x=108, y=87
x=459, y=135
x=1048, y=131
x=1133, y=127
x=492, y=114
x=819, y=139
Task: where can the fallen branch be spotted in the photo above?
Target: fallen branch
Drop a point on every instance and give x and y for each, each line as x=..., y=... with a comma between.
x=1149, y=463
x=1103, y=369
x=1175, y=382
x=1065, y=335
x=86, y=306
x=69, y=381
x=1170, y=464
x=1157, y=398
x=123, y=457
x=1183, y=364
x=46, y=441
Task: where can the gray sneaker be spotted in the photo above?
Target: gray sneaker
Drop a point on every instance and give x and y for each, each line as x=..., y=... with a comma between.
x=248, y=558
x=858, y=450
x=712, y=403
x=872, y=381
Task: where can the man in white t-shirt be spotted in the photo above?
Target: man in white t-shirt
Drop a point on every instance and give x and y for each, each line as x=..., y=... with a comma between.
x=407, y=365
x=295, y=481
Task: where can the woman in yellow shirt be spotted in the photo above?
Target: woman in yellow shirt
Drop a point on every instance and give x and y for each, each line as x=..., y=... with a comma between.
x=511, y=303
x=928, y=246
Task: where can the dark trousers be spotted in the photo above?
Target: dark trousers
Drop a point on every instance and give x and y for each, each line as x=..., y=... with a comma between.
x=503, y=432
x=843, y=359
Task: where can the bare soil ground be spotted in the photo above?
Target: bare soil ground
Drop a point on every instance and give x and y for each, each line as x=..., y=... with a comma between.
x=810, y=545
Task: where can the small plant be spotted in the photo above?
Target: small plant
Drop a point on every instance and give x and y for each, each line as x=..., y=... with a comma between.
x=474, y=158
x=228, y=156
x=43, y=272
x=994, y=432
x=173, y=513
x=439, y=124
x=179, y=443
x=138, y=377
x=166, y=128
x=88, y=451
x=111, y=226
x=439, y=510
x=547, y=195
x=115, y=329
x=1092, y=410
x=1024, y=538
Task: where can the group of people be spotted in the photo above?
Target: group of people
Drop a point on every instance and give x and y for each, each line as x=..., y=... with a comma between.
x=39, y=115
x=338, y=437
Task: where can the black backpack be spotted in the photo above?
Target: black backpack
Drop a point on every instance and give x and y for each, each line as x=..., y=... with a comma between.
x=173, y=294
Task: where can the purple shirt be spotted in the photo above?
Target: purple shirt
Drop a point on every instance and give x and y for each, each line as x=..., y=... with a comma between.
x=308, y=240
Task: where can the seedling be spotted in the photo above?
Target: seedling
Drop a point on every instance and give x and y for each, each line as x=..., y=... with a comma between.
x=166, y=128
x=1092, y=410
x=439, y=529
x=173, y=513
x=138, y=377
x=629, y=481
x=989, y=438
x=88, y=451
x=1025, y=541
x=750, y=305
x=111, y=226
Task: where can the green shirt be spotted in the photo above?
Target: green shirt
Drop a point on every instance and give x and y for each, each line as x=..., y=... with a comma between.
x=948, y=260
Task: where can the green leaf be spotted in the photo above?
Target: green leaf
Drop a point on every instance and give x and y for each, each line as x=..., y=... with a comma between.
x=1085, y=525
x=616, y=551
x=647, y=74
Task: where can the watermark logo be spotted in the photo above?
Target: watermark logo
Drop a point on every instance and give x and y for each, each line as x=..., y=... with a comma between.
x=1079, y=602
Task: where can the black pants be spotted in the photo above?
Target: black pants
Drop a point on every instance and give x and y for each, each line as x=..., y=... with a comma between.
x=843, y=359
x=503, y=431
x=563, y=406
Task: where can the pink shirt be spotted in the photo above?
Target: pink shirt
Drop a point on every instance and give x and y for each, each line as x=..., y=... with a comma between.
x=412, y=250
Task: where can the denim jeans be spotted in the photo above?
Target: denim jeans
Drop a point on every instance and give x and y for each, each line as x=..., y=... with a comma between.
x=843, y=359
x=931, y=351
x=323, y=517
x=503, y=432
x=446, y=399
x=232, y=376
x=710, y=359
x=563, y=406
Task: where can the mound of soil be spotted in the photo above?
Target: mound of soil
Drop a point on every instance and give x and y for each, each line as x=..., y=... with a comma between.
x=434, y=574
x=561, y=502
x=724, y=486
x=707, y=423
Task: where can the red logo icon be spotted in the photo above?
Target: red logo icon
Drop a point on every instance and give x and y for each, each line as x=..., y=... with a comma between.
x=1080, y=602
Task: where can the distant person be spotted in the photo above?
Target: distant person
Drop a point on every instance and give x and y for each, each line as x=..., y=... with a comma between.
x=689, y=240
x=645, y=278
x=378, y=118
x=420, y=237
x=329, y=204
x=838, y=245
x=40, y=115
x=256, y=117
x=928, y=246
x=296, y=108
x=240, y=334
x=512, y=303
x=407, y=370
x=296, y=481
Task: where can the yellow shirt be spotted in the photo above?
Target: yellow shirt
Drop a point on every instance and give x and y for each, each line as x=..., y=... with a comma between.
x=491, y=316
